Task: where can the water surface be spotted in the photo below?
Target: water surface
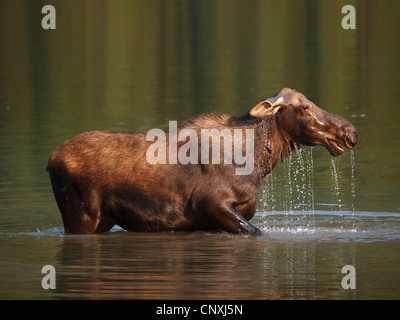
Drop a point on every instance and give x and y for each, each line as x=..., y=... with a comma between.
x=294, y=261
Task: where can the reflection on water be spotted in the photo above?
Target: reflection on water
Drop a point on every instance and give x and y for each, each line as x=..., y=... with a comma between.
x=211, y=266
x=183, y=266
x=294, y=261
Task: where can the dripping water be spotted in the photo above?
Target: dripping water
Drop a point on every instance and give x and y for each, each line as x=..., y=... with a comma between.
x=303, y=178
x=336, y=194
x=337, y=197
x=353, y=180
x=288, y=198
x=338, y=191
x=290, y=188
x=353, y=189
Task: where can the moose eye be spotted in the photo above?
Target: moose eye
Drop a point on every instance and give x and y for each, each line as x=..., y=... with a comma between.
x=305, y=108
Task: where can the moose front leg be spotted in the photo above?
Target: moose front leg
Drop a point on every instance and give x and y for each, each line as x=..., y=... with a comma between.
x=232, y=221
x=226, y=218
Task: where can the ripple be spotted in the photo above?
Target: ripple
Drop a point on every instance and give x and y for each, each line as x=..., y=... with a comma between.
x=330, y=225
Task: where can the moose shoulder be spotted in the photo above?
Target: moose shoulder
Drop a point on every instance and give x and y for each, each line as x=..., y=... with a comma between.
x=104, y=178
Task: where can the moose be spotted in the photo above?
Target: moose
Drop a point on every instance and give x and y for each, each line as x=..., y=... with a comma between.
x=103, y=178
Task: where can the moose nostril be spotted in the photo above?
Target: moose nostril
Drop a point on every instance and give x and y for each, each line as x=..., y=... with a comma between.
x=351, y=140
x=349, y=144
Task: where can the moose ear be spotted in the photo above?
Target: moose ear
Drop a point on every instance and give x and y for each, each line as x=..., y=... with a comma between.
x=265, y=109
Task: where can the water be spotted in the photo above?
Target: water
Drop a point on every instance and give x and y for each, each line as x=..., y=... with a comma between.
x=327, y=226
x=136, y=65
x=336, y=196
x=291, y=188
x=296, y=261
x=353, y=179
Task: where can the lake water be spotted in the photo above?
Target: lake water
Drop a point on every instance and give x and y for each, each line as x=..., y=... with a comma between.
x=136, y=65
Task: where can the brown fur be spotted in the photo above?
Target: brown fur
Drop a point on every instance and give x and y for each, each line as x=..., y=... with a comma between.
x=102, y=178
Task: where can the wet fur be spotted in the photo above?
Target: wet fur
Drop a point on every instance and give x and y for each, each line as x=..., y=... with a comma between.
x=102, y=178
